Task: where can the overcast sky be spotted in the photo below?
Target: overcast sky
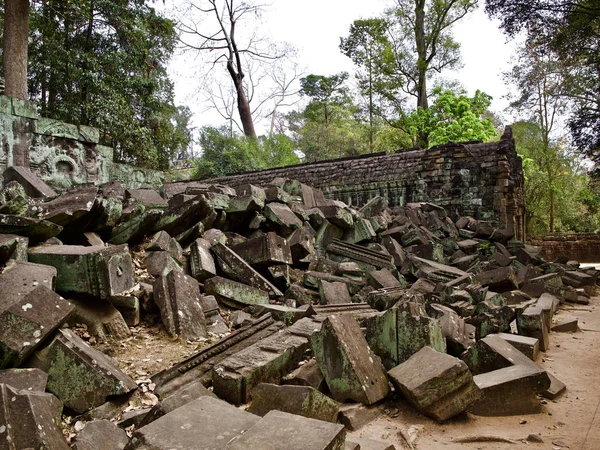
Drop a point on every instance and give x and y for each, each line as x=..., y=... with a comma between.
x=314, y=27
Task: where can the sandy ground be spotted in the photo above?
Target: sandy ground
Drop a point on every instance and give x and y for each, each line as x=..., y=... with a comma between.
x=570, y=421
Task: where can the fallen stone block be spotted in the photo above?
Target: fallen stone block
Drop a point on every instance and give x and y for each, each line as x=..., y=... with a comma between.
x=178, y=298
x=13, y=247
x=80, y=376
x=264, y=250
x=293, y=431
x=440, y=386
x=101, y=435
x=267, y=361
x=248, y=198
x=417, y=330
x=312, y=278
x=239, y=270
x=510, y=391
x=556, y=388
x=71, y=206
x=301, y=243
x=301, y=400
x=334, y=292
x=508, y=379
x=356, y=415
x=178, y=219
x=129, y=307
x=529, y=346
x=179, y=428
x=31, y=380
x=33, y=185
x=350, y=368
x=281, y=214
x=361, y=254
x=136, y=228
x=37, y=230
x=102, y=320
x=30, y=420
x=577, y=279
x=234, y=294
x=212, y=315
x=176, y=399
x=282, y=313
x=27, y=322
x=550, y=283
x=20, y=278
x=202, y=263
x=499, y=280
x=459, y=335
x=161, y=263
x=566, y=326
x=383, y=279
x=361, y=231
x=533, y=323
x=147, y=197
x=308, y=374
x=98, y=271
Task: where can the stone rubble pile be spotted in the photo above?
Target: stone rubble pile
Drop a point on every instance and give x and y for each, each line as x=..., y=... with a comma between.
x=318, y=312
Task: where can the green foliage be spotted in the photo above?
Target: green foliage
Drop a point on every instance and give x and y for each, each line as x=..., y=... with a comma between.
x=103, y=63
x=223, y=153
x=559, y=195
x=329, y=126
x=452, y=118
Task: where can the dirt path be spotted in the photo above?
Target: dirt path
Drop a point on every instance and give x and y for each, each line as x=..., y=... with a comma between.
x=571, y=421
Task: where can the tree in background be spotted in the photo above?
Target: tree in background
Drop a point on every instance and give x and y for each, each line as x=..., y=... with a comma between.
x=102, y=63
x=452, y=117
x=223, y=153
x=221, y=28
x=328, y=126
x=549, y=170
x=569, y=30
x=420, y=34
x=368, y=47
x=16, y=33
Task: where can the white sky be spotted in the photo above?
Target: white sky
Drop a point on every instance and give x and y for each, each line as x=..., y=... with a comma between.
x=314, y=27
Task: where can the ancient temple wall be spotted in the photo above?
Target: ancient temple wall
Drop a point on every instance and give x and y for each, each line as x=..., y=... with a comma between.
x=482, y=180
x=61, y=154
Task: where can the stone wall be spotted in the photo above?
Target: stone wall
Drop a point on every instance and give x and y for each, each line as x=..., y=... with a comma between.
x=582, y=247
x=61, y=154
x=483, y=180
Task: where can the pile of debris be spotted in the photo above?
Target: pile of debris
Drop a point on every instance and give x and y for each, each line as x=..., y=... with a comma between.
x=317, y=312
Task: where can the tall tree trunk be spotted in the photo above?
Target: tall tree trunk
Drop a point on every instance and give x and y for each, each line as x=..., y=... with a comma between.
x=16, y=34
x=371, y=143
x=242, y=102
x=423, y=138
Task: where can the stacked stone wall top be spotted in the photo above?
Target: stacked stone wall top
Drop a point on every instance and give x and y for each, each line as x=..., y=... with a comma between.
x=483, y=180
x=582, y=247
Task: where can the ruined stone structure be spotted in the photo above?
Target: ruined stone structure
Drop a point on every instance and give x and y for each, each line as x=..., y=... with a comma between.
x=582, y=247
x=482, y=180
x=61, y=154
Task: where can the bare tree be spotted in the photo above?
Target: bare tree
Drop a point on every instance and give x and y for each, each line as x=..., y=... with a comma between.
x=217, y=27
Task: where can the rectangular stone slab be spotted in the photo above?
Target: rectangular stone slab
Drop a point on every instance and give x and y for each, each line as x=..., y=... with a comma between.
x=178, y=298
x=13, y=247
x=30, y=420
x=351, y=369
x=33, y=380
x=27, y=322
x=510, y=391
x=439, y=385
x=34, y=186
x=20, y=278
x=202, y=423
x=283, y=430
x=267, y=361
x=234, y=294
x=79, y=375
x=239, y=270
x=202, y=263
x=99, y=271
x=264, y=250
